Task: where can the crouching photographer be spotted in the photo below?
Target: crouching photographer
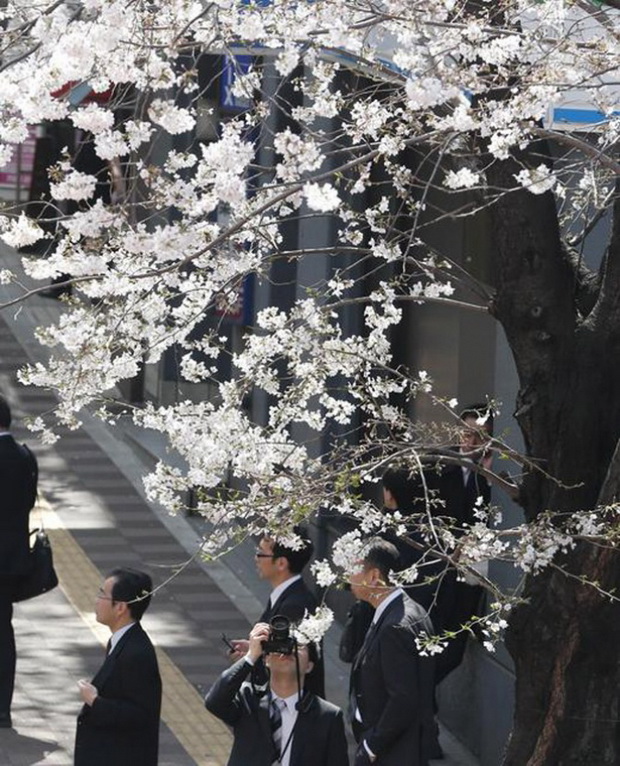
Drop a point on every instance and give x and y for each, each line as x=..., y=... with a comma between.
x=284, y=726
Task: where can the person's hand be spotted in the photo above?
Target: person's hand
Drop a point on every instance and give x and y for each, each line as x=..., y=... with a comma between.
x=258, y=634
x=88, y=692
x=363, y=757
x=240, y=648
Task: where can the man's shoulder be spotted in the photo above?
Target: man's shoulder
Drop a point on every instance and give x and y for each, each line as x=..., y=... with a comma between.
x=328, y=707
x=404, y=612
x=8, y=445
x=296, y=596
x=137, y=640
x=416, y=617
x=10, y=448
x=300, y=591
x=321, y=706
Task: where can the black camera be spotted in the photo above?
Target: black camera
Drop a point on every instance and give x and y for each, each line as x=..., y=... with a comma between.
x=280, y=640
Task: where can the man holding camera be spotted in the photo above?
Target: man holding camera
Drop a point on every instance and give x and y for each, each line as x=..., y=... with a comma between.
x=282, y=568
x=284, y=726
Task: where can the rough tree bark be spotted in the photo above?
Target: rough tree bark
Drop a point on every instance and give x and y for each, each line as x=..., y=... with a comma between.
x=565, y=641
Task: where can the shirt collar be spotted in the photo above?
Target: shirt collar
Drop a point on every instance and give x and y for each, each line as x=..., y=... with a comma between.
x=118, y=634
x=289, y=702
x=386, y=602
x=279, y=589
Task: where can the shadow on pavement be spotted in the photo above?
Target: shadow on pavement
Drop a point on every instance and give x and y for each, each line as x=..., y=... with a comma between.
x=22, y=750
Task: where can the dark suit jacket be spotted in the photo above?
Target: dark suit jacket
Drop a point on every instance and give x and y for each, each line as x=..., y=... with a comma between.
x=318, y=739
x=121, y=728
x=457, y=602
x=296, y=600
x=460, y=497
x=18, y=483
x=393, y=686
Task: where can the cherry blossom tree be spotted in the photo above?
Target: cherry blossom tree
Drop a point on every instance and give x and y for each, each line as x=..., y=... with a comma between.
x=392, y=117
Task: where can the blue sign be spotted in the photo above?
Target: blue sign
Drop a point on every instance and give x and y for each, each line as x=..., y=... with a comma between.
x=232, y=68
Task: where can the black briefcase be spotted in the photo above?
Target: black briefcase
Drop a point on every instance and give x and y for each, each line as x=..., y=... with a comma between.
x=42, y=577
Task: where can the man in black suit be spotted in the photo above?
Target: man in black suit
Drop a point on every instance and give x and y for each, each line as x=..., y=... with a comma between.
x=281, y=726
x=462, y=485
x=392, y=685
x=18, y=492
x=463, y=490
x=282, y=567
x=119, y=721
x=455, y=493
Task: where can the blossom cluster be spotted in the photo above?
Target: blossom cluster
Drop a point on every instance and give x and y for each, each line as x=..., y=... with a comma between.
x=369, y=121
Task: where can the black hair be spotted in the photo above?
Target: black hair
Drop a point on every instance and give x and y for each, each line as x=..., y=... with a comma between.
x=313, y=653
x=297, y=559
x=133, y=587
x=403, y=485
x=480, y=411
x=382, y=555
x=5, y=413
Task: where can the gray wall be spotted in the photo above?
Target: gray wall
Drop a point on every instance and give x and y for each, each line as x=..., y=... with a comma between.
x=476, y=702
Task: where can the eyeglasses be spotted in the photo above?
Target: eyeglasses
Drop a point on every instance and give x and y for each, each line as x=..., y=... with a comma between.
x=260, y=555
x=103, y=595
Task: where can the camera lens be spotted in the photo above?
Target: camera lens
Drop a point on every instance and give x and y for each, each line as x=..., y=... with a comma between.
x=279, y=627
x=280, y=641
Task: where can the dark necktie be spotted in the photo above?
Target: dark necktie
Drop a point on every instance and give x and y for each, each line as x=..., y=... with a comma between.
x=275, y=717
x=108, y=646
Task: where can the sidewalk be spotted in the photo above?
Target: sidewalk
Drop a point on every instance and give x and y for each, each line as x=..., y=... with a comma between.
x=98, y=518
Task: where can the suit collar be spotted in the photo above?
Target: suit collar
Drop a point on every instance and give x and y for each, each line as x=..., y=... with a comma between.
x=385, y=604
x=116, y=637
x=277, y=593
x=263, y=717
x=106, y=669
x=305, y=728
x=392, y=606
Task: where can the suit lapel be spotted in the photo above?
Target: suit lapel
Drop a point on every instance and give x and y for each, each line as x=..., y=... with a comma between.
x=107, y=668
x=368, y=640
x=303, y=732
x=102, y=675
x=285, y=593
x=263, y=718
x=373, y=631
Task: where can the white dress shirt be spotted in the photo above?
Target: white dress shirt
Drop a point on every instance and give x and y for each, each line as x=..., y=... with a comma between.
x=288, y=709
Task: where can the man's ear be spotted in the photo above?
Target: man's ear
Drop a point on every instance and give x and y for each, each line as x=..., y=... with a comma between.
x=388, y=499
x=373, y=577
x=122, y=607
x=281, y=563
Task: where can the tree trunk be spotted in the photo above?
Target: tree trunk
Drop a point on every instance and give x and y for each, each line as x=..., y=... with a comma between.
x=565, y=641
x=565, y=644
